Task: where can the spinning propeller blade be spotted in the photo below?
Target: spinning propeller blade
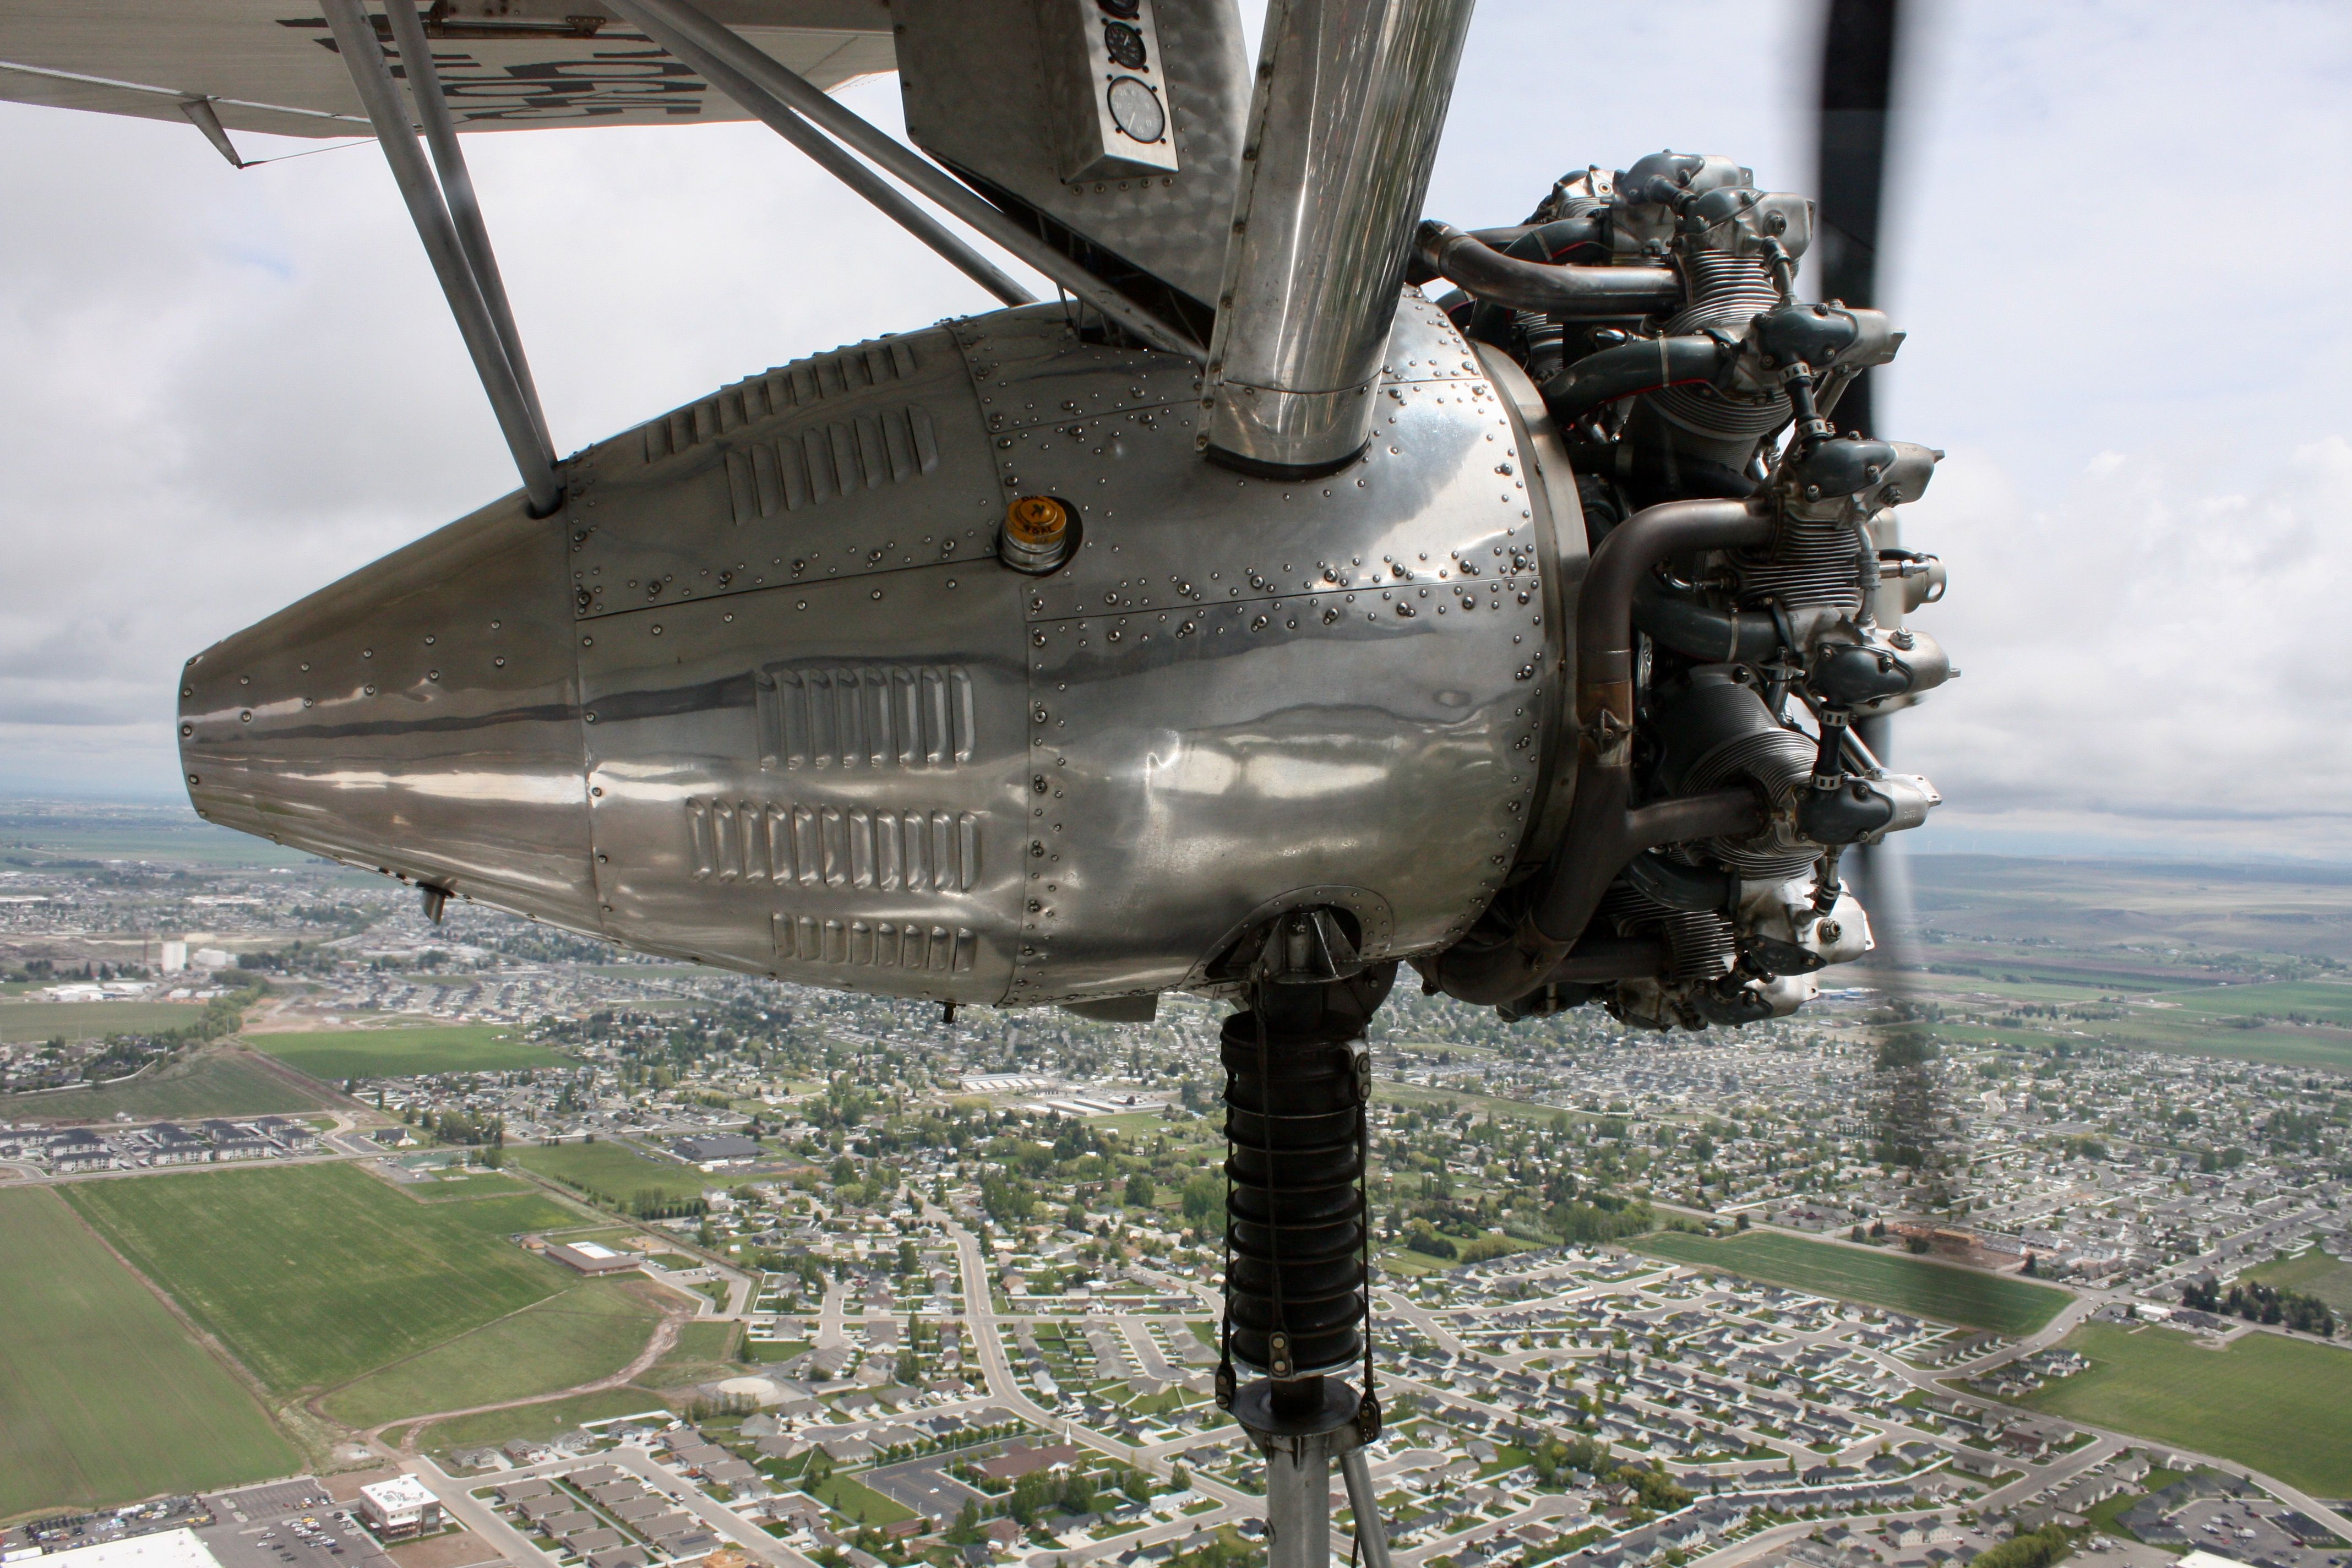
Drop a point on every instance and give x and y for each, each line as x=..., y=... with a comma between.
x=1911, y=1124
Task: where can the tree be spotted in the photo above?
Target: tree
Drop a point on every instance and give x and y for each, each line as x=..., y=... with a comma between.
x=1030, y=1493
x=2036, y=1548
x=1139, y=1192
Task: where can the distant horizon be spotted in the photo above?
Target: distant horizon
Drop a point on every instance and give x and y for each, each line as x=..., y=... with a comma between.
x=1933, y=840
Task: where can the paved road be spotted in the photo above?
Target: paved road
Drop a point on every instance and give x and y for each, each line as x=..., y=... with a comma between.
x=2036, y=1480
x=2060, y=1470
x=996, y=1369
x=1763, y=1541
x=519, y=1549
x=478, y=1517
x=1145, y=1350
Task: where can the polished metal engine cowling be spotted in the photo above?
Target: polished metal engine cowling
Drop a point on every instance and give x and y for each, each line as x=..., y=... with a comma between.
x=762, y=695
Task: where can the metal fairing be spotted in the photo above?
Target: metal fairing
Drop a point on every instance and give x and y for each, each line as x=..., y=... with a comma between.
x=421, y=716
x=798, y=720
x=864, y=460
x=820, y=782
x=1247, y=695
x=802, y=676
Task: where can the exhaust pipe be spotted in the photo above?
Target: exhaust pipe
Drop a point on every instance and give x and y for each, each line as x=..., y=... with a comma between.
x=1352, y=95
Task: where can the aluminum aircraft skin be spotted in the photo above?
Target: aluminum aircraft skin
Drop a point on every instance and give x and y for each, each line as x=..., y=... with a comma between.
x=1318, y=589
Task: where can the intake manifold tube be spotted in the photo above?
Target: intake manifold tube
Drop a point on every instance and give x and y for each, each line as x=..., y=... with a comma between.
x=1604, y=829
x=1645, y=364
x=1441, y=250
x=1703, y=632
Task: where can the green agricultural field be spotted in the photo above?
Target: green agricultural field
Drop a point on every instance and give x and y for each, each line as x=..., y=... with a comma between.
x=2282, y=1045
x=2267, y=1401
x=38, y=834
x=316, y=1275
x=2093, y=906
x=854, y=1500
x=104, y=1397
x=704, y=1354
x=2313, y=1273
x=473, y=1184
x=214, y=1083
x=537, y=1423
x=333, y=1056
x=23, y=1021
x=2324, y=1001
x=613, y=1172
x=1548, y=1116
x=592, y=1331
x=1895, y=1279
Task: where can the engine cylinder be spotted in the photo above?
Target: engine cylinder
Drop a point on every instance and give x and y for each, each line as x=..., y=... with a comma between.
x=1716, y=733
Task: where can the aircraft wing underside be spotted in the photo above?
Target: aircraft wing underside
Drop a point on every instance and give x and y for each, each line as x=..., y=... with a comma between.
x=272, y=65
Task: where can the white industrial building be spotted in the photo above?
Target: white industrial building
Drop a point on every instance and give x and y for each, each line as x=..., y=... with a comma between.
x=399, y=1508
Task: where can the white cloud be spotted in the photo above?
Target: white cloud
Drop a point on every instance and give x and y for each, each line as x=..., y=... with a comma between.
x=2159, y=646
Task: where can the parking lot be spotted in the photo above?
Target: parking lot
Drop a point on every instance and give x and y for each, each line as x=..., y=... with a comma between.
x=2250, y=1530
x=924, y=1485
x=293, y=1525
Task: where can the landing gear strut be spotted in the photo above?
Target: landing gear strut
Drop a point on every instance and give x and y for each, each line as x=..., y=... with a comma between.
x=1299, y=1078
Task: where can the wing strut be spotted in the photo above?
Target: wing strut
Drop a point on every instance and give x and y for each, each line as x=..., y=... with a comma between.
x=676, y=24
x=200, y=114
x=465, y=210
x=498, y=357
x=768, y=108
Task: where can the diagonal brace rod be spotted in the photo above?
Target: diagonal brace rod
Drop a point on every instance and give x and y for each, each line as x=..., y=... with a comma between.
x=666, y=18
x=1364, y=1503
x=534, y=460
x=465, y=208
x=829, y=156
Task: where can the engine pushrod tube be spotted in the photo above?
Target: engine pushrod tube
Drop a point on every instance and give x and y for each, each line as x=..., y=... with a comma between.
x=1601, y=959
x=829, y=155
x=363, y=56
x=795, y=92
x=1485, y=273
x=465, y=208
x=1605, y=830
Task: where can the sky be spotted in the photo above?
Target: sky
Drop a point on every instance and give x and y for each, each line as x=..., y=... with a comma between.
x=2117, y=243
